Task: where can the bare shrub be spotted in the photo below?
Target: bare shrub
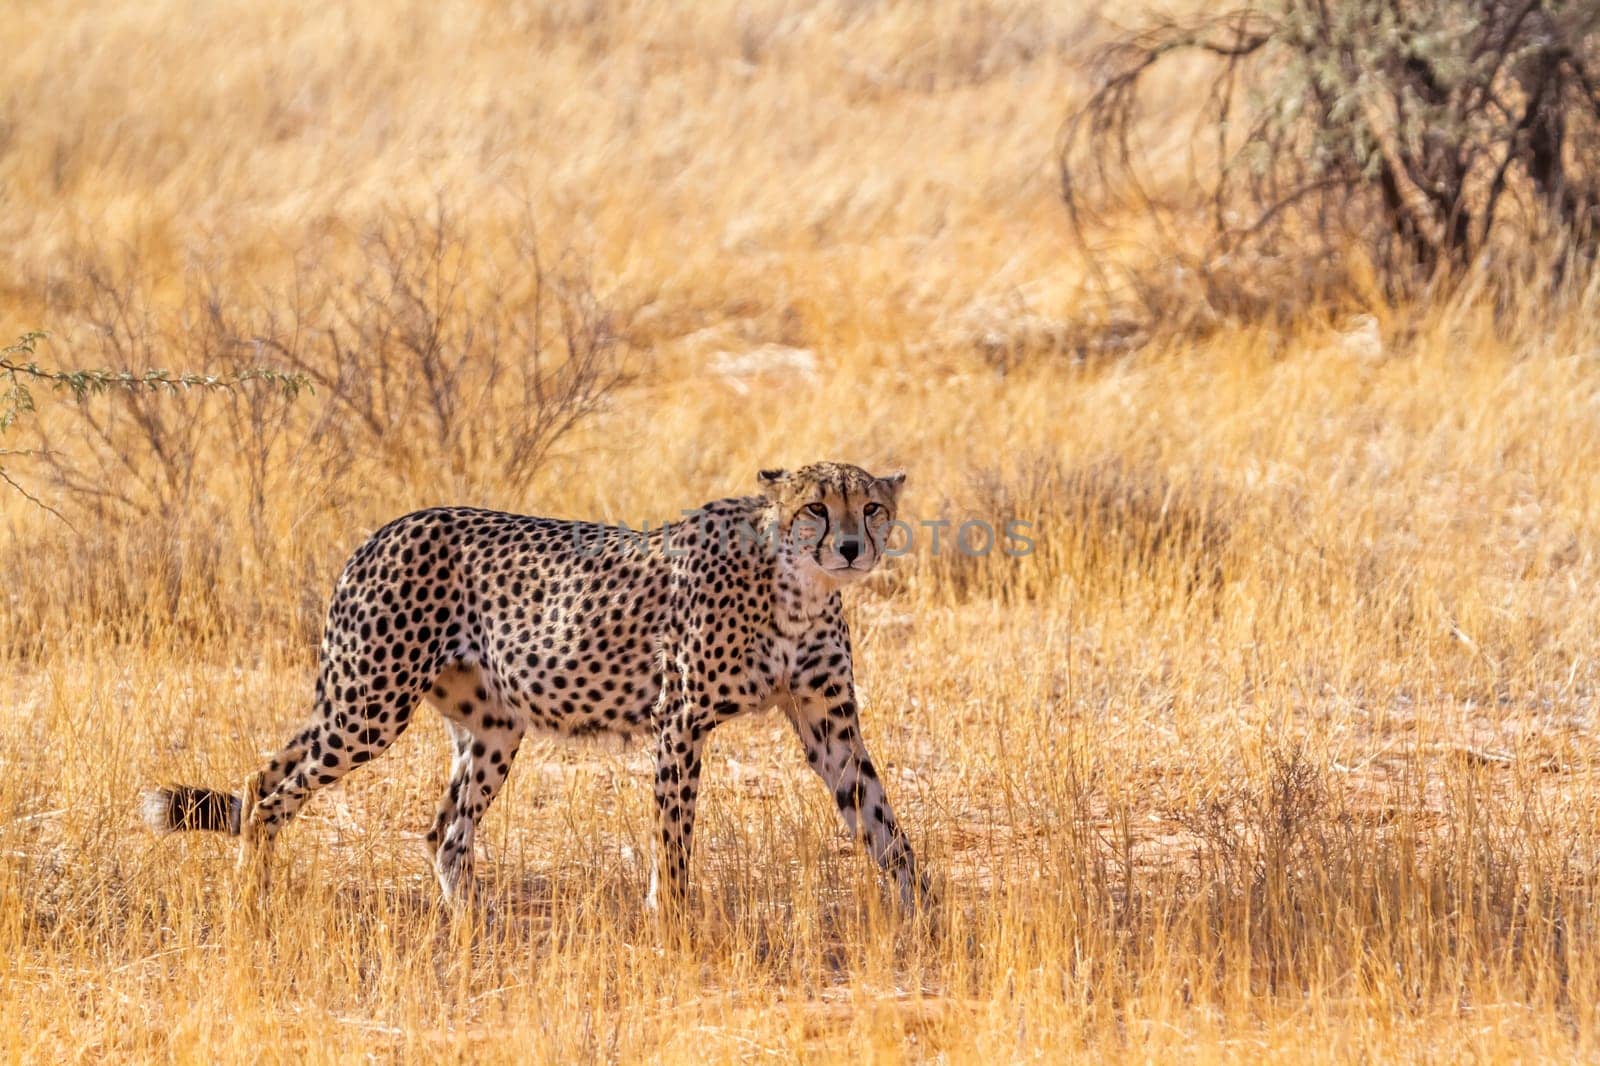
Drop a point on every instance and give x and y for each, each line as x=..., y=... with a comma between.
x=143, y=452
x=463, y=356
x=437, y=353
x=1417, y=137
x=143, y=476
x=141, y=393
x=444, y=368
x=136, y=455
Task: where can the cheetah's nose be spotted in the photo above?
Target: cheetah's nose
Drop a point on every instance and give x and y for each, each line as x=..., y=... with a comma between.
x=850, y=549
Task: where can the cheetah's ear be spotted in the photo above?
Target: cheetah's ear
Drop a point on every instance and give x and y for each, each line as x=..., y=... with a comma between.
x=893, y=483
x=771, y=479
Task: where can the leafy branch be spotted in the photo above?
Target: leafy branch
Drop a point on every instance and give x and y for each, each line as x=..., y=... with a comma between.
x=20, y=376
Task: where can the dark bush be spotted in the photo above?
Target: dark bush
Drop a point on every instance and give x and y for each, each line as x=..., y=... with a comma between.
x=1421, y=135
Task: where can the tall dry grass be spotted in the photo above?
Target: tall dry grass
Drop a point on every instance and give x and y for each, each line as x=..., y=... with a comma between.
x=1279, y=745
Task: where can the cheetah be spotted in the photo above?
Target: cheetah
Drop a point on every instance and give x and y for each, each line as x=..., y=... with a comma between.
x=509, y=623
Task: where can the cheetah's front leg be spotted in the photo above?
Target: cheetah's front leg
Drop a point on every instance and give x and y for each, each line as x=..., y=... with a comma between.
x=830, y=729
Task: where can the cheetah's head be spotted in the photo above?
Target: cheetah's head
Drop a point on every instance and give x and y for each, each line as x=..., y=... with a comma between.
x=833, y=515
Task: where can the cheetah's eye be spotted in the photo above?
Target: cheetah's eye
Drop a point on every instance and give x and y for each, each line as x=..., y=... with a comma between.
x=817, y=510
x=872, y=510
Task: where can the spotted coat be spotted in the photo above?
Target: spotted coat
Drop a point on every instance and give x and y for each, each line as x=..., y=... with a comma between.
x=508, y=624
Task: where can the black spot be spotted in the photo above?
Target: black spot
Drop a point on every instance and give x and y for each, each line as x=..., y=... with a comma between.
x=851, y=796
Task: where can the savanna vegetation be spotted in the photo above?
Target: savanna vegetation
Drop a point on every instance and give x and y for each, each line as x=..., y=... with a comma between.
x=1278, y=745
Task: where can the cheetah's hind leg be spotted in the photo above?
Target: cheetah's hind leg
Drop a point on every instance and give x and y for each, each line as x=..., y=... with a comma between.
x=253, y=869
x=484, y=738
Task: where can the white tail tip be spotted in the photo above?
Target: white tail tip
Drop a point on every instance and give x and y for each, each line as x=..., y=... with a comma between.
x=155, y=807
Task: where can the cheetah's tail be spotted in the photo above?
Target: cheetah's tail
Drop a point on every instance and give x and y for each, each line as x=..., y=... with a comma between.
x=181, y=807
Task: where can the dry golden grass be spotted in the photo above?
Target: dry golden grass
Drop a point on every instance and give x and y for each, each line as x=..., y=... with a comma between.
x=1281, y=746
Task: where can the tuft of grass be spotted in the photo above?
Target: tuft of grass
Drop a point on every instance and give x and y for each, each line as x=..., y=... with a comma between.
x=1111, y=527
